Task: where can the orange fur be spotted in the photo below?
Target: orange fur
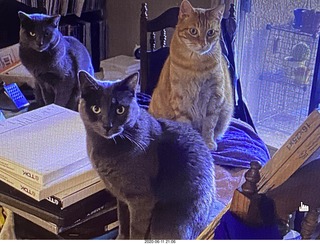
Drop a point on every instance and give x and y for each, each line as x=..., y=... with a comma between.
x=194, y=84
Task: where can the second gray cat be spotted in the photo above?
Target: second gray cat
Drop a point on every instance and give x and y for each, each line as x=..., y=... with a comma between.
x=160, y=171
x=53, y=59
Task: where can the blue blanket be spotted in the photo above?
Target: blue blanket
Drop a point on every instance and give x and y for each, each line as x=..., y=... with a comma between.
x=237, y=148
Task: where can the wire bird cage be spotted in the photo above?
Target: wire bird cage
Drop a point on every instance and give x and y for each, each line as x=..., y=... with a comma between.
x=286, y=79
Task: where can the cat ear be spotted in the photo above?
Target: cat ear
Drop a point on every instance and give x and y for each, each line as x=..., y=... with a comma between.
x=131, y=82
x=217, y=12
x=185, y=9
x=87, y=82
x=23, y=16
x=54, y=20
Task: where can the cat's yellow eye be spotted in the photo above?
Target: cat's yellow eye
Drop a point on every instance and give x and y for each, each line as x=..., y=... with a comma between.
x=210, y=33
x=32, y=33
x=96, y=109
x=193, y=31
x=120, y=110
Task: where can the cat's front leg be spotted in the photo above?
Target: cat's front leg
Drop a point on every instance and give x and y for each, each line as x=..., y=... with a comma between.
x=38, y=94
x=224, y=120
x=140, y=218
x=39, y=102
x=208, y=130
x=210, y=126
x=181, y=112
x=47, y=94
x=63, y=93
x=124, y=220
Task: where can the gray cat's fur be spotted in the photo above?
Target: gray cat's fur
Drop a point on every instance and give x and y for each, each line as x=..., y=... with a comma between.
x=161, y=171
x=53, y=59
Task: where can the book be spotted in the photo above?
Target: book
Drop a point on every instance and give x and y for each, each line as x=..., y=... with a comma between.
x=294, y=152
x=41, y=192
x=44, y=144
x=25, y=229
x=295, y=161
x=103, y=38
x=74, y=194
x=78, y=7
x=104, y=217
x=86, y=26
x=95, y=39
x=51, y=212
x=64, y=7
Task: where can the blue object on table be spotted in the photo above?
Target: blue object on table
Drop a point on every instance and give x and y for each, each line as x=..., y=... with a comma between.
x=16, y=95
x=232, y=228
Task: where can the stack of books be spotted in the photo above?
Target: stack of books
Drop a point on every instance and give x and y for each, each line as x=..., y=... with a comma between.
x=46, y=176
x=64, y=7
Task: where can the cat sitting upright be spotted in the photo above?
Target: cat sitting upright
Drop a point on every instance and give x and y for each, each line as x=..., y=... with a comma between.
x=194, y=85
x=160, y=171
x=54, y=60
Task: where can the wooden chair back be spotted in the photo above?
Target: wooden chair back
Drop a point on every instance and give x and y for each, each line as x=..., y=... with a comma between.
x=152, y=58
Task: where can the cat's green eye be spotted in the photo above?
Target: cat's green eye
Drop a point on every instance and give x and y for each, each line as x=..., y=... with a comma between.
x=210, y=33
x=32, y=33
x=193, y=31
x=96, y=109
x=47, y=33
x=120, y=110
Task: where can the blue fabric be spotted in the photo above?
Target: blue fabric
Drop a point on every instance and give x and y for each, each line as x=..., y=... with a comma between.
x=232, y=228
x=237, y=148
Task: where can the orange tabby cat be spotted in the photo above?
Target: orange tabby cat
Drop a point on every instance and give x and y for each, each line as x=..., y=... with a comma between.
x=194, y=84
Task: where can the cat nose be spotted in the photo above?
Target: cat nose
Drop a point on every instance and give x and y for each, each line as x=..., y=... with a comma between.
x=203, y=44
x=107, y=127
x=40, y=42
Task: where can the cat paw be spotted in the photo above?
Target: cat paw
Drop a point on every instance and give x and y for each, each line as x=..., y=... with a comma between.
x=183, y=119
x=212, y=145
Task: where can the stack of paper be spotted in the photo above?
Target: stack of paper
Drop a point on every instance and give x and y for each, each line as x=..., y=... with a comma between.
x=119, y=67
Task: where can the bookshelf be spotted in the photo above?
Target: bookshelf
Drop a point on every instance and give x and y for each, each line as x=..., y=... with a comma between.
x=83, y=19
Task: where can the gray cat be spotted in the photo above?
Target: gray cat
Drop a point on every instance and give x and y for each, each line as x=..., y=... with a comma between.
x=161, y=171
x=53, y=59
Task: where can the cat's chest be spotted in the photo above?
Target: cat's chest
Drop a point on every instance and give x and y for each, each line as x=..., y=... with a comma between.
x=42, y=62
x=193, y=85
x=119, y=169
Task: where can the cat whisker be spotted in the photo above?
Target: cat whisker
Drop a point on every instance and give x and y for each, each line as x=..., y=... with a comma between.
x=140, y=146
x=143, y=144
x=136, y=143
x=115, y=142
